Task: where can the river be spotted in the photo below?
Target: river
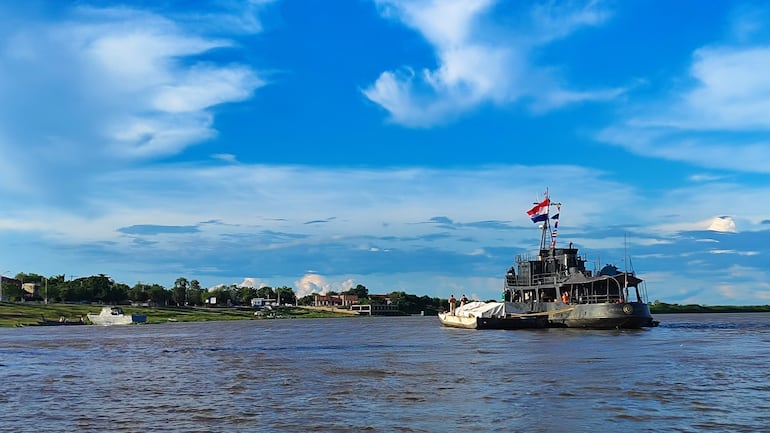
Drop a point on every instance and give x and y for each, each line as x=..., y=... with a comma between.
x=693, y=373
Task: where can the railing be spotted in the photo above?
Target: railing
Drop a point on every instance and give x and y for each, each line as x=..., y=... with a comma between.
x=596, y=299
x=362, y=309
x=375, y=309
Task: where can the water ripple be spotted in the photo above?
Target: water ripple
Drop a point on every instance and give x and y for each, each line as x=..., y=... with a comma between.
x=694, y=373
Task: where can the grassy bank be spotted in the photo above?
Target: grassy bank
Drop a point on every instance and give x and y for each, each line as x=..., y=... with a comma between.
x=12, y=314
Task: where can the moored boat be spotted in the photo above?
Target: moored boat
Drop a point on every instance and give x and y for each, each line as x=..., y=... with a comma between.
x=491, y=315
x=114, y=315
x=63, y=321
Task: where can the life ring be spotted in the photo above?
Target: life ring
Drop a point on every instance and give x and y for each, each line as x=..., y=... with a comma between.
x=628, y=309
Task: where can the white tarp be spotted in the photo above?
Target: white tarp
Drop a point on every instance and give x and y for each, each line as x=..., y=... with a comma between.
x=481, y=309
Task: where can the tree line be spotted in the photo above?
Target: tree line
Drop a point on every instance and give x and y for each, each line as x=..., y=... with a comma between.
x=103, y=289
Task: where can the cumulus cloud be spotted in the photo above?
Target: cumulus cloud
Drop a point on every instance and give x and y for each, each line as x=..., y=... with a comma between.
x=311, y=283
x=722, y=224
x=479, y=61
x=252, y=282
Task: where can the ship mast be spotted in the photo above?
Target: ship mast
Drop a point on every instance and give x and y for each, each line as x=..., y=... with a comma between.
x=548, y=234
x=545, y=230
x=541, y=213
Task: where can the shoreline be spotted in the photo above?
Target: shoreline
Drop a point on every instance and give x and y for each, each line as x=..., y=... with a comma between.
x=27, y=314
x=33, y=314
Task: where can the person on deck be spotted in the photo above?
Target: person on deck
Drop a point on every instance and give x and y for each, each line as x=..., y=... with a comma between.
x=452, y=302
x=565, y=297
x=463, y=300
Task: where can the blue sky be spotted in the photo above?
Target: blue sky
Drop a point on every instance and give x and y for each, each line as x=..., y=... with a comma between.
x=395, y=144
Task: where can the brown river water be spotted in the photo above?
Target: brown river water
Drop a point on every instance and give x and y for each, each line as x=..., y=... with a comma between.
x=694, y=373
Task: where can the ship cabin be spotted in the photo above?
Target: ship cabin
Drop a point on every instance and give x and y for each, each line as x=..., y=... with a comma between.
x=557, y=271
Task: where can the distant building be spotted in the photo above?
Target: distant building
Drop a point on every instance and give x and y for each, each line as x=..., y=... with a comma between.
x=334, y=300
x=7, y=281
x=386, y=299
x=383, y=305
x=263, y=302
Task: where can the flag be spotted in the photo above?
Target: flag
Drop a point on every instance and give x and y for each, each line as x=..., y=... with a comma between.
x=555, y=231
x=540, y=211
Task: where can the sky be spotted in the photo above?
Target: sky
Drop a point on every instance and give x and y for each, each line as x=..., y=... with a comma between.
x=395, y=144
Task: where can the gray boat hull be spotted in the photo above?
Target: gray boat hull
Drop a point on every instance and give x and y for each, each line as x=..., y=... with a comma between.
x=626, y=315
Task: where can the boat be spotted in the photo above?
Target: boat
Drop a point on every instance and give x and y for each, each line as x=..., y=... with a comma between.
x=63, y=321
x=113, y=315
x=557, y=283
x=491, y=315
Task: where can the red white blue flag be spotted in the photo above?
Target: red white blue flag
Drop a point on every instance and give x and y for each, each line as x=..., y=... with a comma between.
x=540, y=211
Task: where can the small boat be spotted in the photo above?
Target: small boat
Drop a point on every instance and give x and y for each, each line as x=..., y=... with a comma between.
x=114, y=315
x=491, y=315
x=63, y=321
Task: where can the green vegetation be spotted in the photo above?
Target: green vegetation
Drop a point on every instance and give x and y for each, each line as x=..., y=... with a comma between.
x=658, y=307
x=192, y=302
x=101, y=289
x=28, y=314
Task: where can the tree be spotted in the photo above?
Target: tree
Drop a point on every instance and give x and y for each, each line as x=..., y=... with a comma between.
x=305, y=300
x=247, y=294
x=360, y=290
x=195, y=293
x=54, y=285
x=12, y=289
x=266, y=292
x=119, y=292
x=158, y=295
x=285, y=295
x=222, y=293
x=139, y=293
x=179, y=292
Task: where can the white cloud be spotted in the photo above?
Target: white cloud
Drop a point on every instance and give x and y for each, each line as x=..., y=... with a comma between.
x=103, y=85
x=229, y=16
x=238, y=218
x=204, y=86
x=226, y=157
x=722, y=224
x=252, y=282
x=720, y=122
x=733, y=92
x=734, y=252
x=704, y=177
x=309, y=284
x=479, y=61
x=558, y=19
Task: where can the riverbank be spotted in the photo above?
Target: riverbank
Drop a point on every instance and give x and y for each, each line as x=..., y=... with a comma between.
x=27, y=314
x=13, y=314
x=664, y=308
